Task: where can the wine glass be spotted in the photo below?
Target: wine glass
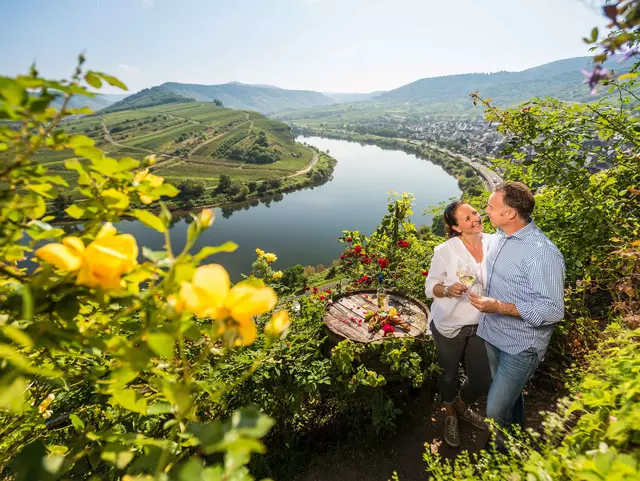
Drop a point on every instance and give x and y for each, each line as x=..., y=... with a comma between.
x=466, y=274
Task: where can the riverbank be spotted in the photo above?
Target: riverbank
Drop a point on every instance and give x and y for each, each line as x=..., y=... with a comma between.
x=197, y=195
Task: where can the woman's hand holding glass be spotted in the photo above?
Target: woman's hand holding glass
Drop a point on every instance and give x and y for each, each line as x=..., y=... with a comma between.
x=457, y=289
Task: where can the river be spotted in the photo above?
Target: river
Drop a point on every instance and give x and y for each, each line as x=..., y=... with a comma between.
x=302, y=227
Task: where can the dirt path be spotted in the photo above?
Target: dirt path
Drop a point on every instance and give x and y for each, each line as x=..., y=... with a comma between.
x=422, y=422
x=313, y=162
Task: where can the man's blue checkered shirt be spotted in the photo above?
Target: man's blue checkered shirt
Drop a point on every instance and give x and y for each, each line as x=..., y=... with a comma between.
x=525, y=269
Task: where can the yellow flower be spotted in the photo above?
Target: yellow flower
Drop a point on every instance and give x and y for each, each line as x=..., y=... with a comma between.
x=260, y=252
x=66, y=256
x=278, y=323
x=277, y=275
x=153, y=181
x=270, y=257
x=101, y=264
x=206, y=218
x=210, y=294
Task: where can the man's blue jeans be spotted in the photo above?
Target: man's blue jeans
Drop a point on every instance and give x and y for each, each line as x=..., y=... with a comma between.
x=510, y=373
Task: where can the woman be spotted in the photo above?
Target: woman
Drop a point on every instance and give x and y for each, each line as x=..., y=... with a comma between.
x=454, y=320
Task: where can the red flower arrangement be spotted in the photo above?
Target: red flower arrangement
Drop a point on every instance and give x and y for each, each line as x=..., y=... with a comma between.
x=383, y=263
x=366, y=260
x=307, y=288
x=349, y=239
x=388, y=329
x=425, y=273
x=358, y=249
x=403, y=243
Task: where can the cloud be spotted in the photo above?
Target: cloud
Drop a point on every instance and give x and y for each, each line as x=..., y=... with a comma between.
x=148, y=3
x=130, y=70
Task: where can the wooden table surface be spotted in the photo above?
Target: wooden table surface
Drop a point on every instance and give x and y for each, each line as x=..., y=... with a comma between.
x=344, y=315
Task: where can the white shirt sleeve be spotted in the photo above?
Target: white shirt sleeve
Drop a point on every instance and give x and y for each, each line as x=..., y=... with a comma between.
x=437, y=273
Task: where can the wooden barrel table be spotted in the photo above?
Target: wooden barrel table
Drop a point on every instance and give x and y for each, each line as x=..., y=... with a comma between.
x=344, y=316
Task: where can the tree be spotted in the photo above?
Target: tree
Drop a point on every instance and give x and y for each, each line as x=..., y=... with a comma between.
x=224, y=183
x=294, y=277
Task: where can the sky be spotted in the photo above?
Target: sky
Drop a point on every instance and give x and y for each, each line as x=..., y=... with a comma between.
x=322, y=45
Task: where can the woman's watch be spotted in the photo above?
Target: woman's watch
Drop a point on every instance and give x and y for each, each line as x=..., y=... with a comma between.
x=445, y=291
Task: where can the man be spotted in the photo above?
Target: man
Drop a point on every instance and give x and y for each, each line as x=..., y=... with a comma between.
x=523, y=300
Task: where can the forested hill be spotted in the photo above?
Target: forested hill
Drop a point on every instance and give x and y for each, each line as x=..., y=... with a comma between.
x=261, y=98
x=562, y=79
x=147, y=98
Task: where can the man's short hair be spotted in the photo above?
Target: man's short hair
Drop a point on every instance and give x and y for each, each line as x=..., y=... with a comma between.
x=517, y=196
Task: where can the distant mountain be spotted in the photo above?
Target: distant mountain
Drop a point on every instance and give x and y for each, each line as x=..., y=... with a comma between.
x=147, y=98
x=263, y=99
x=342, y=98
x=98, y=102
x=562, y=79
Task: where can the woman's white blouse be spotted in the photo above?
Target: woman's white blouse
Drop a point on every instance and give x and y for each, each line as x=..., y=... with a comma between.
x=450, y=314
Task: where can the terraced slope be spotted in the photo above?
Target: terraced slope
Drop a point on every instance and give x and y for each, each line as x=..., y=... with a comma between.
x=196, y=140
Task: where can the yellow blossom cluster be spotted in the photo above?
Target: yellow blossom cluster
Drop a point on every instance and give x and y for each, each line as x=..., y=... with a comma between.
x=153, y=180
x=209, y=294
x=100, y=264
x=267, y=256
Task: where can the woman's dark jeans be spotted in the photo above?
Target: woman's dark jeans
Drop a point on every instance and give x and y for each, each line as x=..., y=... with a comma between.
x=450, y=351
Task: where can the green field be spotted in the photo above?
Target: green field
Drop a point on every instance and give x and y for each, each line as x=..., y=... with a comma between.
x=194, y=140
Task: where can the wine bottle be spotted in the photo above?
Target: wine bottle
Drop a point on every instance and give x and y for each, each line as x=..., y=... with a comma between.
x=383, y=303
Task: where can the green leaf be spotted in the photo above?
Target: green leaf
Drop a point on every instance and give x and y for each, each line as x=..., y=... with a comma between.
x=251, y=422
x=116, y=199
x=127, y=164
x=75, y=211
x=75, y=164
x=193, y=232
x=78, y=424
x=154, y=256
x=18, y=336
x=29, y=463
x=130, y=400
x=12, y=394
x=80, y=141
x=93, y=80
x=162, y=344
x=27, y=302
x=45, y=190
x=114, y=82
x=166, y=190
x=160, y=407
x=150, y=220
x=13, y=356
x=192, y=470
x=12, y=92
x=118, y=455
x=211, y=250
x=94, y=154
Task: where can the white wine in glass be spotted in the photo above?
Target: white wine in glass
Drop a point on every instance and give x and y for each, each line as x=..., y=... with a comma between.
x=466, y=274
